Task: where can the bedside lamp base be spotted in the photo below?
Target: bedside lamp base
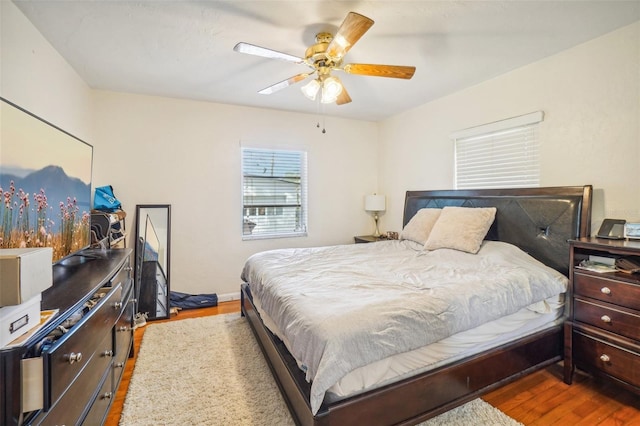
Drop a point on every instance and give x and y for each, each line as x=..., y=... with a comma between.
x=377, y=231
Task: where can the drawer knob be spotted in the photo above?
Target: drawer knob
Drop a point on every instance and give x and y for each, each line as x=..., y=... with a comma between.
x=606, y=318
x=107, y=353
x=605, y=358
x=119, y=365
x=74, y=357
x=117, y=305
x=107, y=395
x=605, y=290
x=123, y=328
x=128, y=268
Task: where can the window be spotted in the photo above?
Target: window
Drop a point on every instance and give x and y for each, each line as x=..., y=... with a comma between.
x=274, y=193
x=503, y=154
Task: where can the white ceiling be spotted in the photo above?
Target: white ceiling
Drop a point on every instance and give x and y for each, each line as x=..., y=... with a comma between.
x=184, y=49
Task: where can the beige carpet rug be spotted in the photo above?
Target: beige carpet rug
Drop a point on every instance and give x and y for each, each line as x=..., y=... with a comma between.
x=210, y=371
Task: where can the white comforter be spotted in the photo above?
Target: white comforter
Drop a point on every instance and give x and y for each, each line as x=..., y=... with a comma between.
x=342, y=307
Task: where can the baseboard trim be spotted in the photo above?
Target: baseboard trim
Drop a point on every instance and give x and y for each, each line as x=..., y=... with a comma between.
x=228, y=297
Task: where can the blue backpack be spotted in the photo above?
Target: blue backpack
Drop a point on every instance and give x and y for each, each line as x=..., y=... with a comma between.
x=104, y=200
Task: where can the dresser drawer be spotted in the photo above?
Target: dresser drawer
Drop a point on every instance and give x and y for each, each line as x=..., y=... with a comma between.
x=608, y=290
x=123, y=278
x=123, y=338
x=100, y=406
x=608, y=317
x=70, y=354
x=615, y=361
x=66, y=410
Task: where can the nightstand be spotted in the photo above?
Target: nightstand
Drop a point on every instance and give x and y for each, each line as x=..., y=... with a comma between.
x=602, y=333
x=369, y=239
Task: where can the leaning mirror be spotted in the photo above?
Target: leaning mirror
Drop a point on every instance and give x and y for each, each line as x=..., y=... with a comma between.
x=153, y=232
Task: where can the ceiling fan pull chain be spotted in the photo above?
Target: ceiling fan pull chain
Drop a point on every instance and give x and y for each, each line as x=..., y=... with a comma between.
x=318, y=113
x=321, y=113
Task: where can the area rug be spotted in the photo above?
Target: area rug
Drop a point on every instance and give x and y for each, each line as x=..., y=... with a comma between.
x=210, y=371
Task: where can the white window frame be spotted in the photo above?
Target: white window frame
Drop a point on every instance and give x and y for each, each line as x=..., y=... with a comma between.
x=263, y=221
x=503, y=154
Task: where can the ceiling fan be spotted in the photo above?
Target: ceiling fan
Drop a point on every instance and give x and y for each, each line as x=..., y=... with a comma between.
x=325, y=56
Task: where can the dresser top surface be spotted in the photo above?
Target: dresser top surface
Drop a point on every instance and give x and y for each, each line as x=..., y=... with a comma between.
x=605, y=244
x=74, y=283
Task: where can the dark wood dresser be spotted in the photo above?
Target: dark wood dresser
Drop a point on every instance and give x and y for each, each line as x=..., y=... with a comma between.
x=602, y=335
x=67, y=372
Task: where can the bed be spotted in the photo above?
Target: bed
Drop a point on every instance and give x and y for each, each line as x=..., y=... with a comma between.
x=539, y=221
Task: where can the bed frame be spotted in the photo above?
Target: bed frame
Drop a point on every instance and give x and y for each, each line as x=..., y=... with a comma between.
x=538, y=220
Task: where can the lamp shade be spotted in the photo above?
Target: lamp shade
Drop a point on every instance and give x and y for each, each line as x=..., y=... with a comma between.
x=310, y=90
x=374, y=203
x=331, y=89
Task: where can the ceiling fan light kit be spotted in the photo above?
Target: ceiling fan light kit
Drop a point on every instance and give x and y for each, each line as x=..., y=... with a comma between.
x=310, y=90
x=331, y=88
x=325, y=56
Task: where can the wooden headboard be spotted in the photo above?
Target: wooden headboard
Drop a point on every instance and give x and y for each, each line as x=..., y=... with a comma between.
x=538, y=220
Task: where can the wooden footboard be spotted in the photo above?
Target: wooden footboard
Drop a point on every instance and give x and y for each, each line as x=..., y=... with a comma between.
x=411, y=400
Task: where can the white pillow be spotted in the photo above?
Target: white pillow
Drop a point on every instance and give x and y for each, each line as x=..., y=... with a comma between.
x=419, y=227
x=461, y=228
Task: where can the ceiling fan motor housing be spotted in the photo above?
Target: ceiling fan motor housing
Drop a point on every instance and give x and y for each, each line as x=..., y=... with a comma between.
x=316, y=56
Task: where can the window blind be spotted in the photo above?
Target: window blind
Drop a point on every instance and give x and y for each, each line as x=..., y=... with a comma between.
x=504, y=154
x=274, y=193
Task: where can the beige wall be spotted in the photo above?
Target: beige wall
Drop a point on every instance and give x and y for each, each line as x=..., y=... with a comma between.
x=590, y=135
x=187, y=154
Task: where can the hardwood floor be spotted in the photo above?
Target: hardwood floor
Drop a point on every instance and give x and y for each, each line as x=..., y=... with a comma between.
x=541, y=398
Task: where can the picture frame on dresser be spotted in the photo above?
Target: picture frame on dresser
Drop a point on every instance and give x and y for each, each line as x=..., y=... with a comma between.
x=46, y=180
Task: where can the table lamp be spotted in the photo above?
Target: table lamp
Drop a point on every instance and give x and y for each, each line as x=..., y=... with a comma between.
x=375, y=203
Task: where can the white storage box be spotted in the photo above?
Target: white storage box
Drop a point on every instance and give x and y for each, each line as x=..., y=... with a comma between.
x=24, y=273
x=18, y=319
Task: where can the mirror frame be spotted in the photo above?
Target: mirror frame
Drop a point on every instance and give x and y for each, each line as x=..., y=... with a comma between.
x=141, y=221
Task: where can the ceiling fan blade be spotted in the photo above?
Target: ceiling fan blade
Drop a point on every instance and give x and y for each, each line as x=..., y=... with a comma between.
x=252, y=49
x=283, y=84
x=353, y=27
x=393, y=71
x=343, y=97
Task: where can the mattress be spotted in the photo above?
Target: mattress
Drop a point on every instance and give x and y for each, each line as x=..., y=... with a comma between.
x=532, y=319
